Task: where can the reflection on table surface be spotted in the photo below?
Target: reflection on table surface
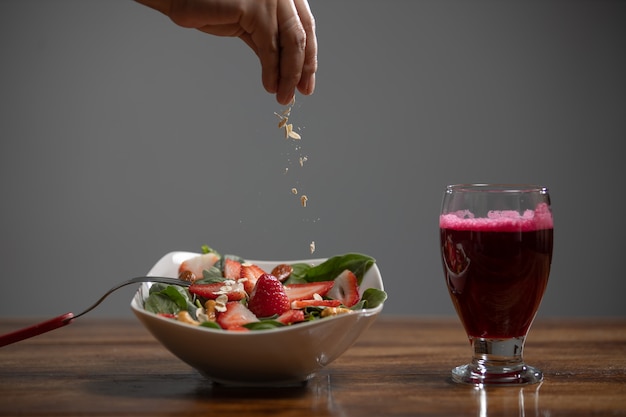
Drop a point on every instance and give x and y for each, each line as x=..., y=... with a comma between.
x=514, y=401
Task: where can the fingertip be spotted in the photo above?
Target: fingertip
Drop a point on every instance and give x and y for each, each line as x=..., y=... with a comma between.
x=270, y=85
x=307, y=86
x=285, y=99
x=269, y=76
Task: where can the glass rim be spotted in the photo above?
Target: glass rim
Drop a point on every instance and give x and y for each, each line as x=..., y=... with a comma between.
x=497, y=187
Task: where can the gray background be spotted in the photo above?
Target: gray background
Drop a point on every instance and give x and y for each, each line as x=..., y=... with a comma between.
x=124, y=137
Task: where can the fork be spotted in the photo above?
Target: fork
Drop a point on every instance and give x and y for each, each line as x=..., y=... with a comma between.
x=67, y=318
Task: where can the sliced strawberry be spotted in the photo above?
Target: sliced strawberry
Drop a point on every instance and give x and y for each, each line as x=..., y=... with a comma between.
x=268, y=297
x=232, y=269
x=299, y=304
x=235, y=316
x=291, y=316
x=233, y=290
x=346, y=289
x=199, y=263
x=306, y=291
x=250, y=273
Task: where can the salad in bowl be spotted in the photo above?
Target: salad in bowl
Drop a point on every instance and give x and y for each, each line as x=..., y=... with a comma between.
x=249, y=322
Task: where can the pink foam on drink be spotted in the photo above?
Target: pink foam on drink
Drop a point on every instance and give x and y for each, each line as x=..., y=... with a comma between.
x=500, y=221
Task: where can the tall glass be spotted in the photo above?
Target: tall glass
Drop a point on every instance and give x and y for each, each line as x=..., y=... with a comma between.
x=496, y=246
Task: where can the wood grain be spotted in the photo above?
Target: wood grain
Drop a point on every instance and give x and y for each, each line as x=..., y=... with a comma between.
x=400, y=367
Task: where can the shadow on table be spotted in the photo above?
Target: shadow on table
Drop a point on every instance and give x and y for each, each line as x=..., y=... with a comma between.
x=182, y=391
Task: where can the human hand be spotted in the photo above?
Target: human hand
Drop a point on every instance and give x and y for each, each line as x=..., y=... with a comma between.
x=280, y=32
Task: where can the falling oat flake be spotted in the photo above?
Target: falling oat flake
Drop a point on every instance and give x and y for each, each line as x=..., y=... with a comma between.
x=290, y=133
x=283, y=122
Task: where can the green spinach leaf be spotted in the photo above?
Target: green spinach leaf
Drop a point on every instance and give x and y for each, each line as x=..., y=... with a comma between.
x=168, y=299
x=373, y=297
x=210, y=325
x=328, y=270
x=263, y=325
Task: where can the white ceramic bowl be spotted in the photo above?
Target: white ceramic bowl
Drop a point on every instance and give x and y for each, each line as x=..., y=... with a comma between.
x=282, y=356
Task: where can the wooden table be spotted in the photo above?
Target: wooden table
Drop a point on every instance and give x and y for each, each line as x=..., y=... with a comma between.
x=400, y=367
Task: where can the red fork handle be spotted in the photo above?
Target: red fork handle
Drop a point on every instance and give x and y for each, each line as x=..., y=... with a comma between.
x=36, y=329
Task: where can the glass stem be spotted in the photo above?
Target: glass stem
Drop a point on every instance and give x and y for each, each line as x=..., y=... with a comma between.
x=501, y=355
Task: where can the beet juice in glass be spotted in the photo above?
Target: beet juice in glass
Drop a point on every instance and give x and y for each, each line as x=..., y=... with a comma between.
x=496, y=246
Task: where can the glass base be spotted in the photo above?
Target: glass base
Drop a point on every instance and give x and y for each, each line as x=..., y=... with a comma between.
x=468, y=374
x=497, y=362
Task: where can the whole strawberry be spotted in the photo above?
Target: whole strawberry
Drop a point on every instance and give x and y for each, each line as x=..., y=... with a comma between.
x=268, y=298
